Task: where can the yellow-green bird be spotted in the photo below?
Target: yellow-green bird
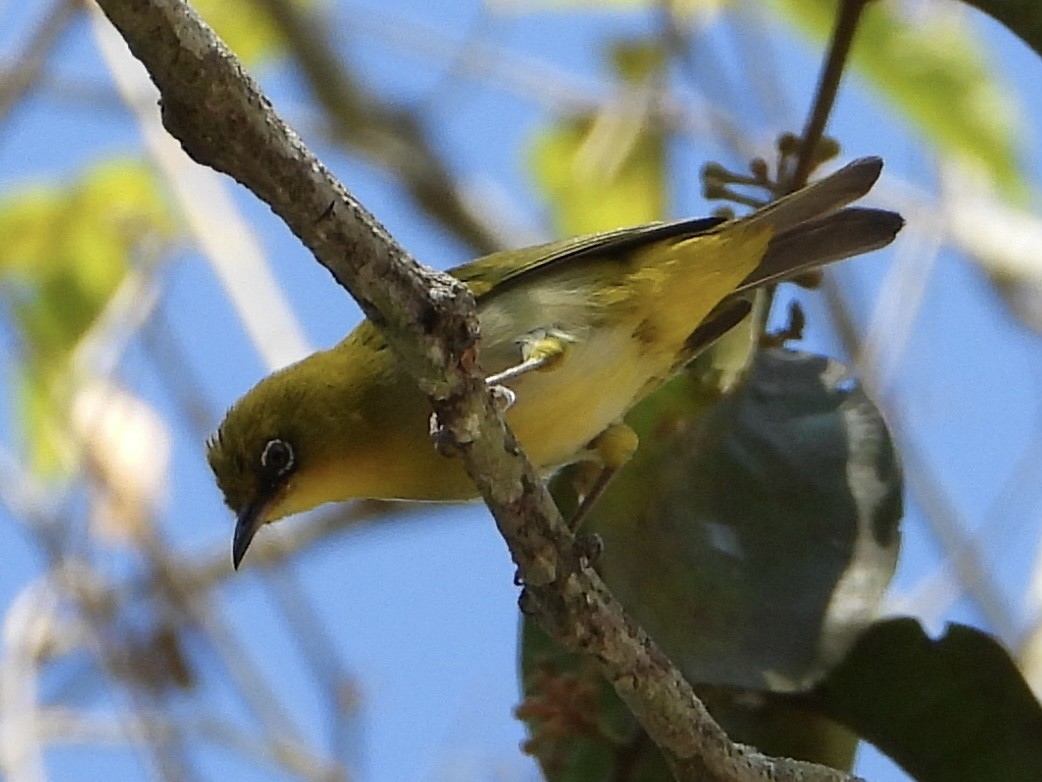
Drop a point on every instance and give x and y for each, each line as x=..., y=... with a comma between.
x=600, y=321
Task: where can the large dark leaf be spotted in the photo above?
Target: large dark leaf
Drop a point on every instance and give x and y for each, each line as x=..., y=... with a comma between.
x=753, y=538
x=955, y=709
x=755, y=542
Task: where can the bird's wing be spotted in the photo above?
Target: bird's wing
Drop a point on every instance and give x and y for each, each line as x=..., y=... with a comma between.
x=501, y=270
x=496, y=273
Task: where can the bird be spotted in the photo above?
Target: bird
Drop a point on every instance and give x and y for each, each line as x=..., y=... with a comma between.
x=575, y=332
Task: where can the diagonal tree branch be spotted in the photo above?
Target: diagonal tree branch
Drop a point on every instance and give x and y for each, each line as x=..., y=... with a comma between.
x=222, y=120
x=828, y=86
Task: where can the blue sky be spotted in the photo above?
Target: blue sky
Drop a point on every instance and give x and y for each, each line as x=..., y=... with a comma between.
x=423, y=613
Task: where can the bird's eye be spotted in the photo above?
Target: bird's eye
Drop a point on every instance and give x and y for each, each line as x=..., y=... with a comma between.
x=277, y=457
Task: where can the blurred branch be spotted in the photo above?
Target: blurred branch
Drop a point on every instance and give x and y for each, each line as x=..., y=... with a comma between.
x=37, y=629
x=528, y=77
x=879, y=353
x=281, y=753
x=69, y=726
x=27, y=66
x=79, y=92
x=177, y=592
x=703, y=71
x=828, y=87
x=945, y=520
x=318, y=649
x=21, y=743
x=196, y=606
x=223, y=121
x=280, y=544
x=180, y=378
x=134, y=664
x=1002, y=238
x=227, y=240
x=393, y=138
x=532, y=79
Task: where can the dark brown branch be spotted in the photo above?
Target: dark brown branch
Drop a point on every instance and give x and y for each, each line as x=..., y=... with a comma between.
x=222, y=120
x=828, y=86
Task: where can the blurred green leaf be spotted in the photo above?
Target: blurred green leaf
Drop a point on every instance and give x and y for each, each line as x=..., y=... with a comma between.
x=64, y=250
x=245, y=27
x=1023, y=17
x=39, y=423
x=951, y=710
x=604, y=171
x=600, y=173
x=637, y=60
x=937, y=76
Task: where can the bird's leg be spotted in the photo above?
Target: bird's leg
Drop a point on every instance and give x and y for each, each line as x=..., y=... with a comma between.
x=611, y=449
x=502, y=397
x=528, y=365
x=540, y=350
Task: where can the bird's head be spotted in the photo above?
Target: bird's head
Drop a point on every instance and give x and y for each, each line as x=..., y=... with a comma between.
x=255, y=455
x=341, y=424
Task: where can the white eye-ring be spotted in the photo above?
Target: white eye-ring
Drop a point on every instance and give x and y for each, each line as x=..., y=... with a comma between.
x=277, y=456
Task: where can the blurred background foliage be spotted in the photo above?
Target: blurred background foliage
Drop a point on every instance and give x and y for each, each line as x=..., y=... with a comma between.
x=140, y=295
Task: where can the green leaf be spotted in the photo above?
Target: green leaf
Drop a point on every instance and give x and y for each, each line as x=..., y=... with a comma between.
x=1023, y=17
x=755, y=542
x=951, y=710
x=936, y=76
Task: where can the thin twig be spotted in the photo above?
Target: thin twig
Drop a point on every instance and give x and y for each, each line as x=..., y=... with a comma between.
x=394, y=137
x=828, y=86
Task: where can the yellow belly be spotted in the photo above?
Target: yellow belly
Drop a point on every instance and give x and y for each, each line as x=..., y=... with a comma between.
x=561, y=409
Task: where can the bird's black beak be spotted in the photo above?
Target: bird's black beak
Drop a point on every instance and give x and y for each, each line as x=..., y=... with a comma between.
x=250, y=519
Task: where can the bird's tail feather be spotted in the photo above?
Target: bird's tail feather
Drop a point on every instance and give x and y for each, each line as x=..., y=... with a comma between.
x=820, y=198
x=813, y=243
